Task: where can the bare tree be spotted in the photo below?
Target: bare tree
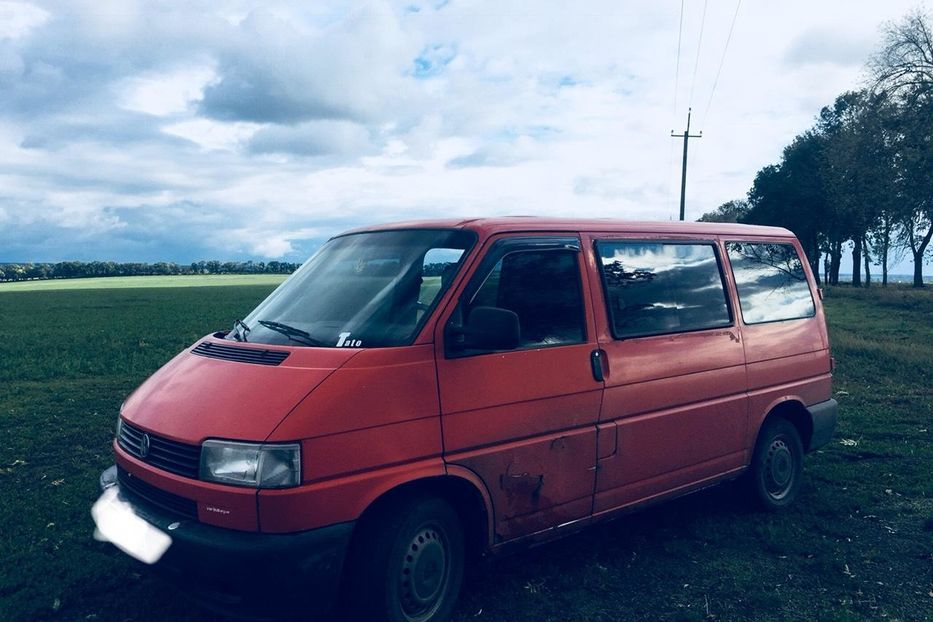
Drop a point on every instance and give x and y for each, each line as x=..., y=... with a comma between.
x=904, y=65
x=903, y=69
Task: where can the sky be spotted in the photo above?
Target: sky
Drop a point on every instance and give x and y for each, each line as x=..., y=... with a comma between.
x=180, y=131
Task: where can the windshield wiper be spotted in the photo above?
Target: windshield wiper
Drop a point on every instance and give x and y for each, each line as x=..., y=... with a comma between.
x=295, y=334
x=240, y=330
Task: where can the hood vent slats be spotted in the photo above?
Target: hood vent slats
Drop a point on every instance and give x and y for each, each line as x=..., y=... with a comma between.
x=240, y=355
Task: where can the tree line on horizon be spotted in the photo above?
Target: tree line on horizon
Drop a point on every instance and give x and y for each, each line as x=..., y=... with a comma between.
x=860, y=179
x=85, y=269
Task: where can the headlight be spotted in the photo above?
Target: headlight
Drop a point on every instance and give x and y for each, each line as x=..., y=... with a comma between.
x=251, y=464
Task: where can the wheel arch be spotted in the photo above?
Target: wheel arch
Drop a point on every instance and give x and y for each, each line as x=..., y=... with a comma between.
x=461, y=488
x=794, y=411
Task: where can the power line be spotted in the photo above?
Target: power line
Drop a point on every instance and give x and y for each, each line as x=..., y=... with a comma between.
x=722, y=60
x=670, y=156
x=687, y=135
x=680, y=33
x=696, y=63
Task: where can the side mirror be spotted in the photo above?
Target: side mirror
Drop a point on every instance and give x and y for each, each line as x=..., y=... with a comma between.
x=488, y=328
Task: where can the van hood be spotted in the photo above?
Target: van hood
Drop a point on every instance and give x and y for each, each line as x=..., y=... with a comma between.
x=194, y=397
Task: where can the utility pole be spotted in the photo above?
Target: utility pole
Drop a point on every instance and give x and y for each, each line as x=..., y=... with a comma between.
x=683, y=178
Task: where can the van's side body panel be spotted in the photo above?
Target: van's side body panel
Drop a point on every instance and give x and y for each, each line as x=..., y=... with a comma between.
x=524, y=421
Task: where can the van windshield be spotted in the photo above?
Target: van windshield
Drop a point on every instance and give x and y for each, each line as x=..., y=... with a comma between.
x=360, y=290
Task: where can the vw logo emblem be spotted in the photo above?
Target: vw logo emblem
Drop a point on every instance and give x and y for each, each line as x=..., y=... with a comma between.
x=144, y=446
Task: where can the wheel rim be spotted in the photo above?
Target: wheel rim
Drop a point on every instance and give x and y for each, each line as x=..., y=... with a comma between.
x=425, y=573
x=780, y=470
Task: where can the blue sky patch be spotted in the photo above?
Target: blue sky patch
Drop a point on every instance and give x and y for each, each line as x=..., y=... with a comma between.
x=433, y=60
x=567, y=81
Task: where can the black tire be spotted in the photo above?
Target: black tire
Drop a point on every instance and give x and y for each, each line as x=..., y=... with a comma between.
x=776, y=473
x=407, y=563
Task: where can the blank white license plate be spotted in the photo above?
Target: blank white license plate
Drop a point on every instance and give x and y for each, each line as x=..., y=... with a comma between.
x=118, y=523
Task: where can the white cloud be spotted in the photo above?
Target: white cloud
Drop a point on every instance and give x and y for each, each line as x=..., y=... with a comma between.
x=18, y=19
x=199, y=129
x=273, y=70
x=271, y=247
x=210, y=134
x=166, y=93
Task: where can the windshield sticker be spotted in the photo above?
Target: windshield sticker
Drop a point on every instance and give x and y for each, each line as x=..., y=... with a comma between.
x=344, y=341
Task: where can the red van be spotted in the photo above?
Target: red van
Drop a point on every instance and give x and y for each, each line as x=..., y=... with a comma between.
x=420, y=393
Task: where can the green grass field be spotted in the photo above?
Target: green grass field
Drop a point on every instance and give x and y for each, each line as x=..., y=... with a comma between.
x=857, y=546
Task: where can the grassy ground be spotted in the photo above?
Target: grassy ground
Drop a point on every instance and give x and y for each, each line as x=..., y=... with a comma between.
x=857, y=546
x=120, y=282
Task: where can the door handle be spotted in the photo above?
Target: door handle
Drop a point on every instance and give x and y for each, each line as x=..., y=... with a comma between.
x=596, y=362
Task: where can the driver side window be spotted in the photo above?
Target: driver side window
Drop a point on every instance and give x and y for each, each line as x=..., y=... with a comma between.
x=543, y=288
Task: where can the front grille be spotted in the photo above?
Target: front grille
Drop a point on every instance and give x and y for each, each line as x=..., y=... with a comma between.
x=164, y=454
x=135, y=487
x=240, y=355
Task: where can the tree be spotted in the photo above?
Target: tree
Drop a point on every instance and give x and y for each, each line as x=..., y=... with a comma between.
x=730, y=211
x=792, y=194
x=78, y=269
x=903, y=70
x=904, y=65
x=861, y=173
x=36, y=271
x=916, y=169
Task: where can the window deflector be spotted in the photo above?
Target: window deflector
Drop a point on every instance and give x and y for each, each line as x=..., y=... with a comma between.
x=506, y=247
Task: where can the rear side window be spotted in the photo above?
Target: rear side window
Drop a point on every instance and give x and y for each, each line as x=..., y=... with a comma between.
x=543, y=288
x=771, y=282
x=654, y=288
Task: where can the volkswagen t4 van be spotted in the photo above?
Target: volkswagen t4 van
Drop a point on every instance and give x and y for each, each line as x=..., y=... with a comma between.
x=420, y=393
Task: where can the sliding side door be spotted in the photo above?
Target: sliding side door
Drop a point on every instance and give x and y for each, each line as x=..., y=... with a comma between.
x=675, y=368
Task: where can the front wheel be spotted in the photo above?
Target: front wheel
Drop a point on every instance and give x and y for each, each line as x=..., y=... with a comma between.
x=776, y=472
x=408, y=563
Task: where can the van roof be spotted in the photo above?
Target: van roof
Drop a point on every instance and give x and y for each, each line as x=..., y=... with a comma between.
x=489, y=226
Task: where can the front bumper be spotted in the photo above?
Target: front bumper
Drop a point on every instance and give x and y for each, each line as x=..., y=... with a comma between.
x=823, y=416
x=246, y=574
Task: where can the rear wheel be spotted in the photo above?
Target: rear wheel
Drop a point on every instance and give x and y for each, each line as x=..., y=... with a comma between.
x=408, y=563
x=776, y=472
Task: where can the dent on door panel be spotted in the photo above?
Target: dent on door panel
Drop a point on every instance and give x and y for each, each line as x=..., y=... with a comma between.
x=540, y=478
x=527, y=495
